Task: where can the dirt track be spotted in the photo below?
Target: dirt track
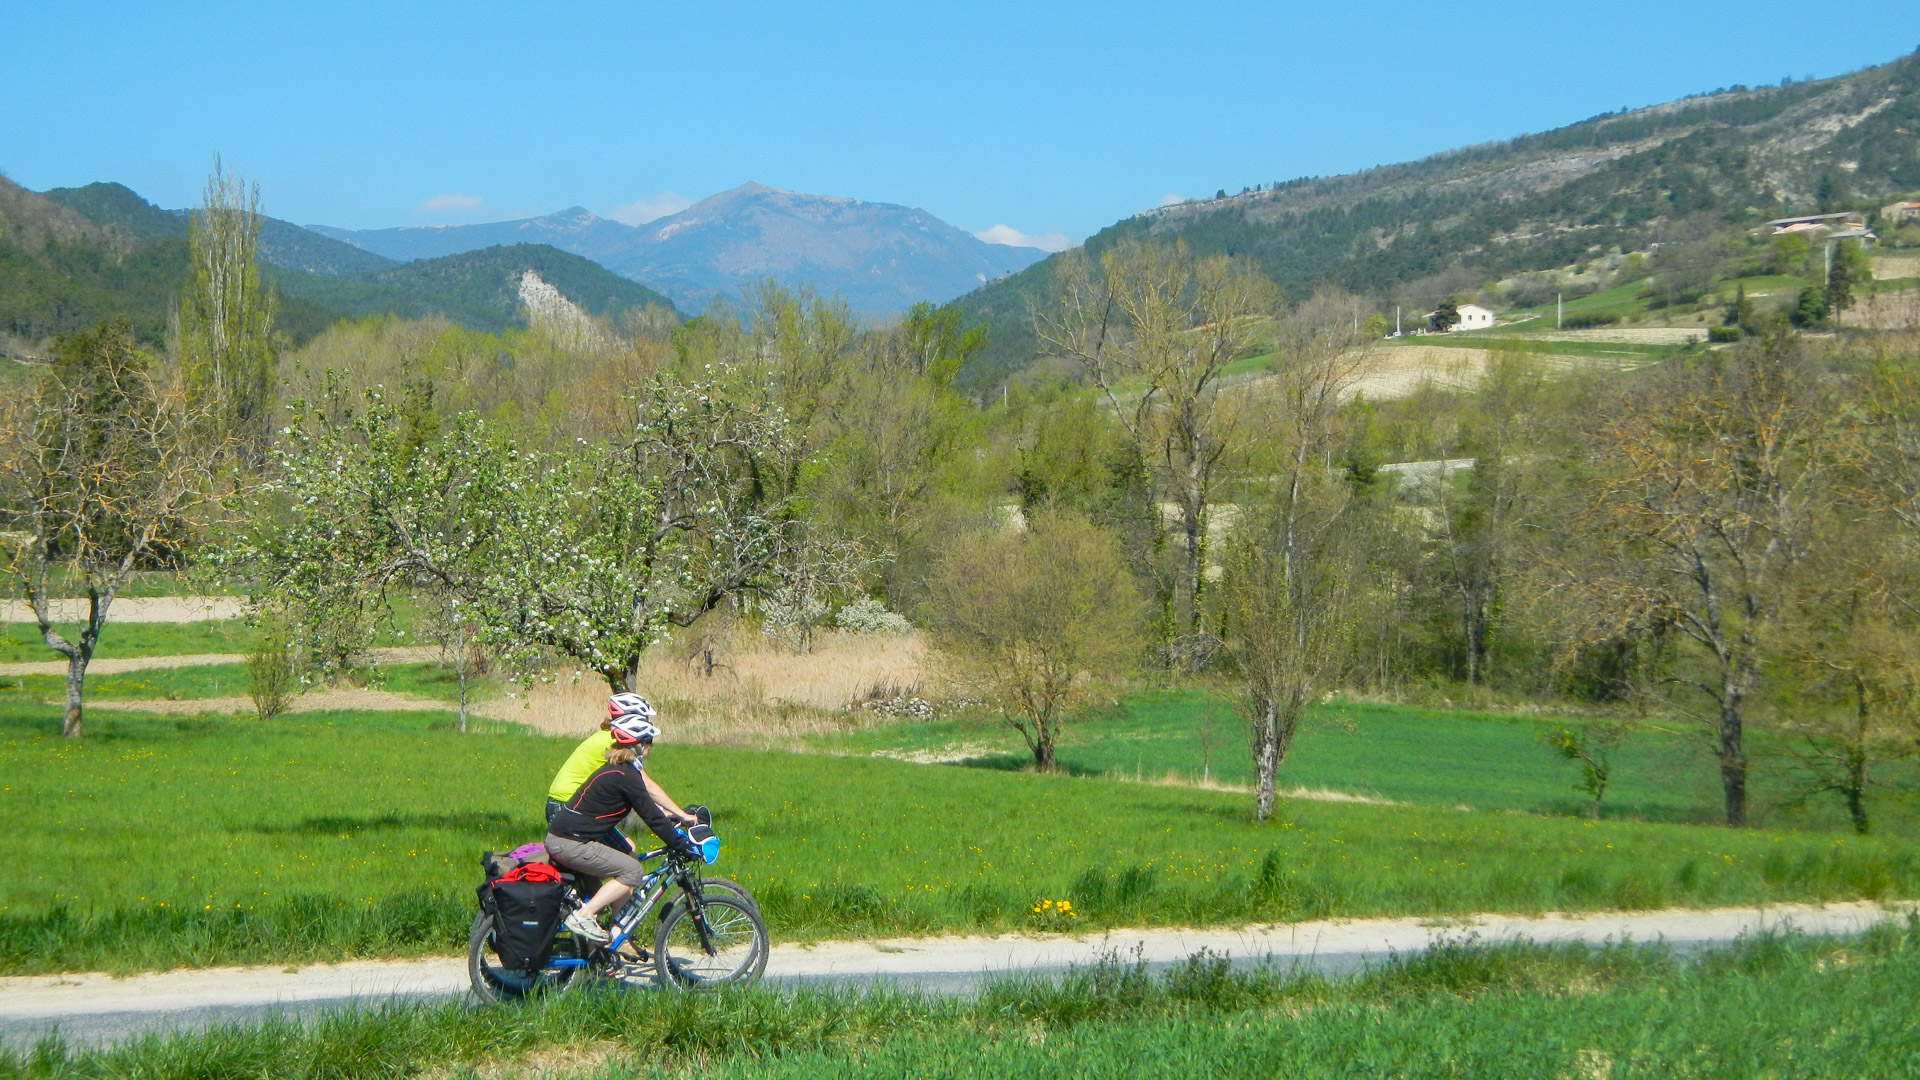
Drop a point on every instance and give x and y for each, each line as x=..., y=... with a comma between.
x=137, y=609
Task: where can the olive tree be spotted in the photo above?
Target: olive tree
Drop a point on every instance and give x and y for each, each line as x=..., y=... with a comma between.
x=1036, y=622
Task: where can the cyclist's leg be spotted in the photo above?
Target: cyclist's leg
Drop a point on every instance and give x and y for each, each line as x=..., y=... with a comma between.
x=622, y=872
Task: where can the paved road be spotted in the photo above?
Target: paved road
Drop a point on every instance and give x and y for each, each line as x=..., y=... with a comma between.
x=100, y=1008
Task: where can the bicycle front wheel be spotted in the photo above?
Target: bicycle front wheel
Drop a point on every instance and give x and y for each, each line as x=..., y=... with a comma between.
x=734, y=950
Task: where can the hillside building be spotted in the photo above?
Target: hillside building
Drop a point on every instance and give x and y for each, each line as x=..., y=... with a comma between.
x=1474, y=317
x=1900, y=213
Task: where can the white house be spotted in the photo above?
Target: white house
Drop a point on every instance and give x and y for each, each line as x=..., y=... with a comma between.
x=1473, y=317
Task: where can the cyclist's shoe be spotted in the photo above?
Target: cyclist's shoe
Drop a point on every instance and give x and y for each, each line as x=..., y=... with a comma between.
x=586, y=926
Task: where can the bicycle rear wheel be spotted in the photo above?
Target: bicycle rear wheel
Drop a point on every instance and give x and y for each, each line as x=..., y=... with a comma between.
x=735, y=931
x=494, y=983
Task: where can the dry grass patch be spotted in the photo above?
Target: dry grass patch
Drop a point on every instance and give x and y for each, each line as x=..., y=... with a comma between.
x=758, y=694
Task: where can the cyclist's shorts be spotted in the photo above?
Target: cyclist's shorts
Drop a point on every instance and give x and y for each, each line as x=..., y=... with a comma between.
x=596, y=859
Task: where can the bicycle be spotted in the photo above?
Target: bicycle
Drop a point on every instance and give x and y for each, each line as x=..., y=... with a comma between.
x=711, y=935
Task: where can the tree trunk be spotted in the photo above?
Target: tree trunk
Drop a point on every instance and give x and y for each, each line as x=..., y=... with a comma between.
x=76, y=681
x=1856, y=790
x=1855, y=782
x=1195, y=574
x=1733, y=762
x=1043, y=750
x=1266, y=759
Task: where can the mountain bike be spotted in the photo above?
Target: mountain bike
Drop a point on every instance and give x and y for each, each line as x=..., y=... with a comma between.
x=709, y=935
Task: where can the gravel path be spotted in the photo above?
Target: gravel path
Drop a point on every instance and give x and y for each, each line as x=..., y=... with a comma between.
x=141, y=609
x=101, y=1008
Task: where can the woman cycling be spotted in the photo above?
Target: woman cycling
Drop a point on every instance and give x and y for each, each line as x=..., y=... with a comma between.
x=578, y=830
x=592, y=753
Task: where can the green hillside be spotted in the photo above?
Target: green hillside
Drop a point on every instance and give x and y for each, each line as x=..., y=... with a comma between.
x=73, y=257
x=1671, y=173
x=282, y=243
x=478, y=289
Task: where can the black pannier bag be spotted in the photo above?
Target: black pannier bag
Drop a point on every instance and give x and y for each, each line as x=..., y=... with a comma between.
x=526, y=915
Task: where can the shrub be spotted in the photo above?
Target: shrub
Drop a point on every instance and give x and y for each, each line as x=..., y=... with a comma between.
x=1590, y=320
x=869, y=616
x=273, y=675
x=1721, y=334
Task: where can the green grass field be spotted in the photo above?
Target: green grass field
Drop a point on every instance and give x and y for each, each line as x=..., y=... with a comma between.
x=1626, y=353
x=1774, y=1007
x=1427, y=757
x=21, y=643
x=168, y=841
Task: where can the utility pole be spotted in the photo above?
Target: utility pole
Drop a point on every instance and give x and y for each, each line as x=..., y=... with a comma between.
x=1396, y=320
x=1827, y=278
x=1559, y=311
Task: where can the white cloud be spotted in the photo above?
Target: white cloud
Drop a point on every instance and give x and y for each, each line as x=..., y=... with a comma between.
x=1012, y=237
x=451, y=204
x=1172, y=200
x=641, y=211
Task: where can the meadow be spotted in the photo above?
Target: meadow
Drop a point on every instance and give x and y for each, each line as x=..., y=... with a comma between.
x=21, y=643
x=1779, y=1006
x=213, y=840
x=1397, y=753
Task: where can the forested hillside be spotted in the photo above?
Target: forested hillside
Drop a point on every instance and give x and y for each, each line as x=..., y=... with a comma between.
x=71, y=258
x=478, y=289
x=75, y=257
x=1626, y=180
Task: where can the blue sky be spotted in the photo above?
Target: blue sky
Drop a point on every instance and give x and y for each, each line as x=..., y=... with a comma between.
x=1048, y=119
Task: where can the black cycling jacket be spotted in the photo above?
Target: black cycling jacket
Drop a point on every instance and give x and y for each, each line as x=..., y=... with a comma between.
x=604, y=798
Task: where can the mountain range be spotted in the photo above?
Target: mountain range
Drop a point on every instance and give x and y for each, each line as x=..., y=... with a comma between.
x=878, y=257
x=72, y=257
x=1672, y=173
x=1626, y=180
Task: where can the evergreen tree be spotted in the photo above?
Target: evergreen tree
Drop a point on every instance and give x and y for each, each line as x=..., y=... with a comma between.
x=1849, y=269
x=1740, y=312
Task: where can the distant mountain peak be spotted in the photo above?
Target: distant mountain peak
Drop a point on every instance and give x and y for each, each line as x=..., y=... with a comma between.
x=879, y=257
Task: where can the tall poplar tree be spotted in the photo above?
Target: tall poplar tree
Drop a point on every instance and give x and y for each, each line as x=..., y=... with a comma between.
x=225, y=323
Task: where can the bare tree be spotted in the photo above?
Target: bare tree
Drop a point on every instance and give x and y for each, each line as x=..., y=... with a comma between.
x=103, y=469
x=456, y=630
x=1713, y=476
x=1290, y=568
x=1155, y=330
x=1857, y=706
x=1476, y=526
x=1037, y=622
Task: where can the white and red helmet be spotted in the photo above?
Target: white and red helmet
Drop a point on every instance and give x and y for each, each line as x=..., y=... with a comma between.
x=630, y=719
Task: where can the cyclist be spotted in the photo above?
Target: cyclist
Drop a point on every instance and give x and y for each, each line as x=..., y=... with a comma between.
x=592, y=753
x=578, y=831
